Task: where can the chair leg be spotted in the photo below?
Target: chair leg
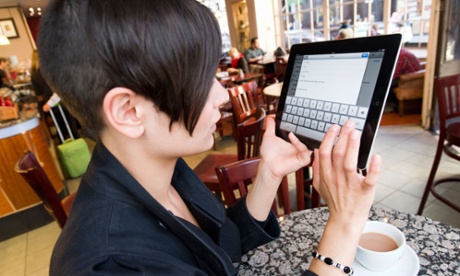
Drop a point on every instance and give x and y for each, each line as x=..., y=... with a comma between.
x=429, y=183
x=299, y=183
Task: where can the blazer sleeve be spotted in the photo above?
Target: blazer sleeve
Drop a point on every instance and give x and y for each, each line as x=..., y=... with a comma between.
x=251, y=233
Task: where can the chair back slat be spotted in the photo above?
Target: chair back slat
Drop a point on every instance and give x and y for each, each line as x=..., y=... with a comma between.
x=448, y=96
x=237, y=176
x=242, y=102
x=32, y=172
x=249, y=136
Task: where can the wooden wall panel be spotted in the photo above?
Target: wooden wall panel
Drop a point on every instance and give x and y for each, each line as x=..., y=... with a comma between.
x=11, y=149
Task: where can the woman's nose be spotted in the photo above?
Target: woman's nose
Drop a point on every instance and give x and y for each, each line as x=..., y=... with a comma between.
x=221, y=94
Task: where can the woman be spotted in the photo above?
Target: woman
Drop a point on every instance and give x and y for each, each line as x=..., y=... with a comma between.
x=239, y=62
x=139, y=208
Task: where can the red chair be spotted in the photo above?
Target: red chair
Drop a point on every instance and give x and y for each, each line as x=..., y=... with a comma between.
x=242, y=99
x=248, y=139
x=239, y=175
x=448, y=96
x=29, y=168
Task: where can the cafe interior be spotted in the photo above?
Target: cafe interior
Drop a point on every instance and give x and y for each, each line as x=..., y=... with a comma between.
x=417, y=139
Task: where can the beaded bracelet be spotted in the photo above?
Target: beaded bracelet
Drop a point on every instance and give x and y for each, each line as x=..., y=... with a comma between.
x=348, y=270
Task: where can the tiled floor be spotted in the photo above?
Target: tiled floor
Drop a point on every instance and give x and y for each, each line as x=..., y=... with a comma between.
x=407, y=153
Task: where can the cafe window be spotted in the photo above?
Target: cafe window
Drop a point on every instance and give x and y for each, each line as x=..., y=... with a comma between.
x=303, y=21
x=218, y=8
x=308, y=20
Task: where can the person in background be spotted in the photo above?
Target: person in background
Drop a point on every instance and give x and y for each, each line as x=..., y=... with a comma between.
x=375, y=30
x=254, y=53
x=407, y=63
x=4, y=80
x=239, y=62
x=48, y=100
x=140, y=209
x=345, y=31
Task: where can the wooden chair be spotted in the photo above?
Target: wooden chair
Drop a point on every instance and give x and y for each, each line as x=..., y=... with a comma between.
x=239, y=175
x=448, y=96
x=305, y=190
x=248, y=138
x=242, y=99
x=29, y=168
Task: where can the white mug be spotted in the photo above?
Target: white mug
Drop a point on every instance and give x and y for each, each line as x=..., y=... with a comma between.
x=378, y=260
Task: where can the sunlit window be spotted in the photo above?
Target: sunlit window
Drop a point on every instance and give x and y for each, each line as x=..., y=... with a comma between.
x=309, y=20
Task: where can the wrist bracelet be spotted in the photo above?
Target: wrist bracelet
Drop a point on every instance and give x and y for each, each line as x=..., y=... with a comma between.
x=346, y=269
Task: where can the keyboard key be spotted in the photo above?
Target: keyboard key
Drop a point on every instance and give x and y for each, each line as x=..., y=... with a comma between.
x=343, y=119
x=300, y=111
x=306, y=103
x=362, y=112
x=352, y=110
x=343, y=109
x=327, y=127
x=295, y=120
x=288, y=127
x=320, y=115
x=359, y=123
x=310, y=133
x=327, y=106
x=335, y=108
x=301, y=121
x=327, y=117
x=321, y=126
x=320, y=105
x=307, y=122
x=284, y=117
x=294, y=110
x=313, y=114
x=290, y=118
x=306, y=113
x=294, y=101
x=313, y=103
x=335, y=118
x=288, y=99
x=314, y=124
x=288, y=108
x=300, y=102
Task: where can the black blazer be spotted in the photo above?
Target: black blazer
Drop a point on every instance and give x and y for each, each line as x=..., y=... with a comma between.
x=116, y=227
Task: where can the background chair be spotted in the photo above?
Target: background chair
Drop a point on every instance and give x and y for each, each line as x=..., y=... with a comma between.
x=409, y=92
x=242, y=99
x=29, y=168
x=239, y=175
x=448, y=96
x=248, y=139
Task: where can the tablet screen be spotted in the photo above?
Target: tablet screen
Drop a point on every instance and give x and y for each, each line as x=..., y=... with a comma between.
x=330, y=87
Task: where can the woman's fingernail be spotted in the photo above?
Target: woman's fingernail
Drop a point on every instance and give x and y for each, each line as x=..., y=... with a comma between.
x=354, y=134
x=334, y=128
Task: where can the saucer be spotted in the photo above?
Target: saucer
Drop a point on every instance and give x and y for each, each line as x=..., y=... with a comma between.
x=408, y=265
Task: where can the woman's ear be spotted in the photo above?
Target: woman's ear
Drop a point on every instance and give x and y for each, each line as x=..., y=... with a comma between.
x=121, y=107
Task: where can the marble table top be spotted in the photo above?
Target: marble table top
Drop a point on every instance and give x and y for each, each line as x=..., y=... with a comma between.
x=437, y=245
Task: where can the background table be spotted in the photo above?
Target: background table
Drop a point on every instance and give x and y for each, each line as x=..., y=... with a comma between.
x=437, y=245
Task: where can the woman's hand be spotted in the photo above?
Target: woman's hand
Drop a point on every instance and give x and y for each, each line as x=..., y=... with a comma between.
x=281, y=157
x=278, y=158
x=346, y=193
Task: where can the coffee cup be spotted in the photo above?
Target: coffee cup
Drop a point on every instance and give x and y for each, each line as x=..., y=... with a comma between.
x=381, y=246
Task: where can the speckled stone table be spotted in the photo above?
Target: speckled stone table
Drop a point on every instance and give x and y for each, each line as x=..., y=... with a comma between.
x=437, y=245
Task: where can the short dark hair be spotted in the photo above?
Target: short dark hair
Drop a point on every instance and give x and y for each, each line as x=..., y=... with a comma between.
x=165, y=50
x=2, y=59
x=253, y=40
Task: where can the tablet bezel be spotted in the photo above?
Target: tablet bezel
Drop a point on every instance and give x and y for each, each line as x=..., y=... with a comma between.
x=390, y=44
